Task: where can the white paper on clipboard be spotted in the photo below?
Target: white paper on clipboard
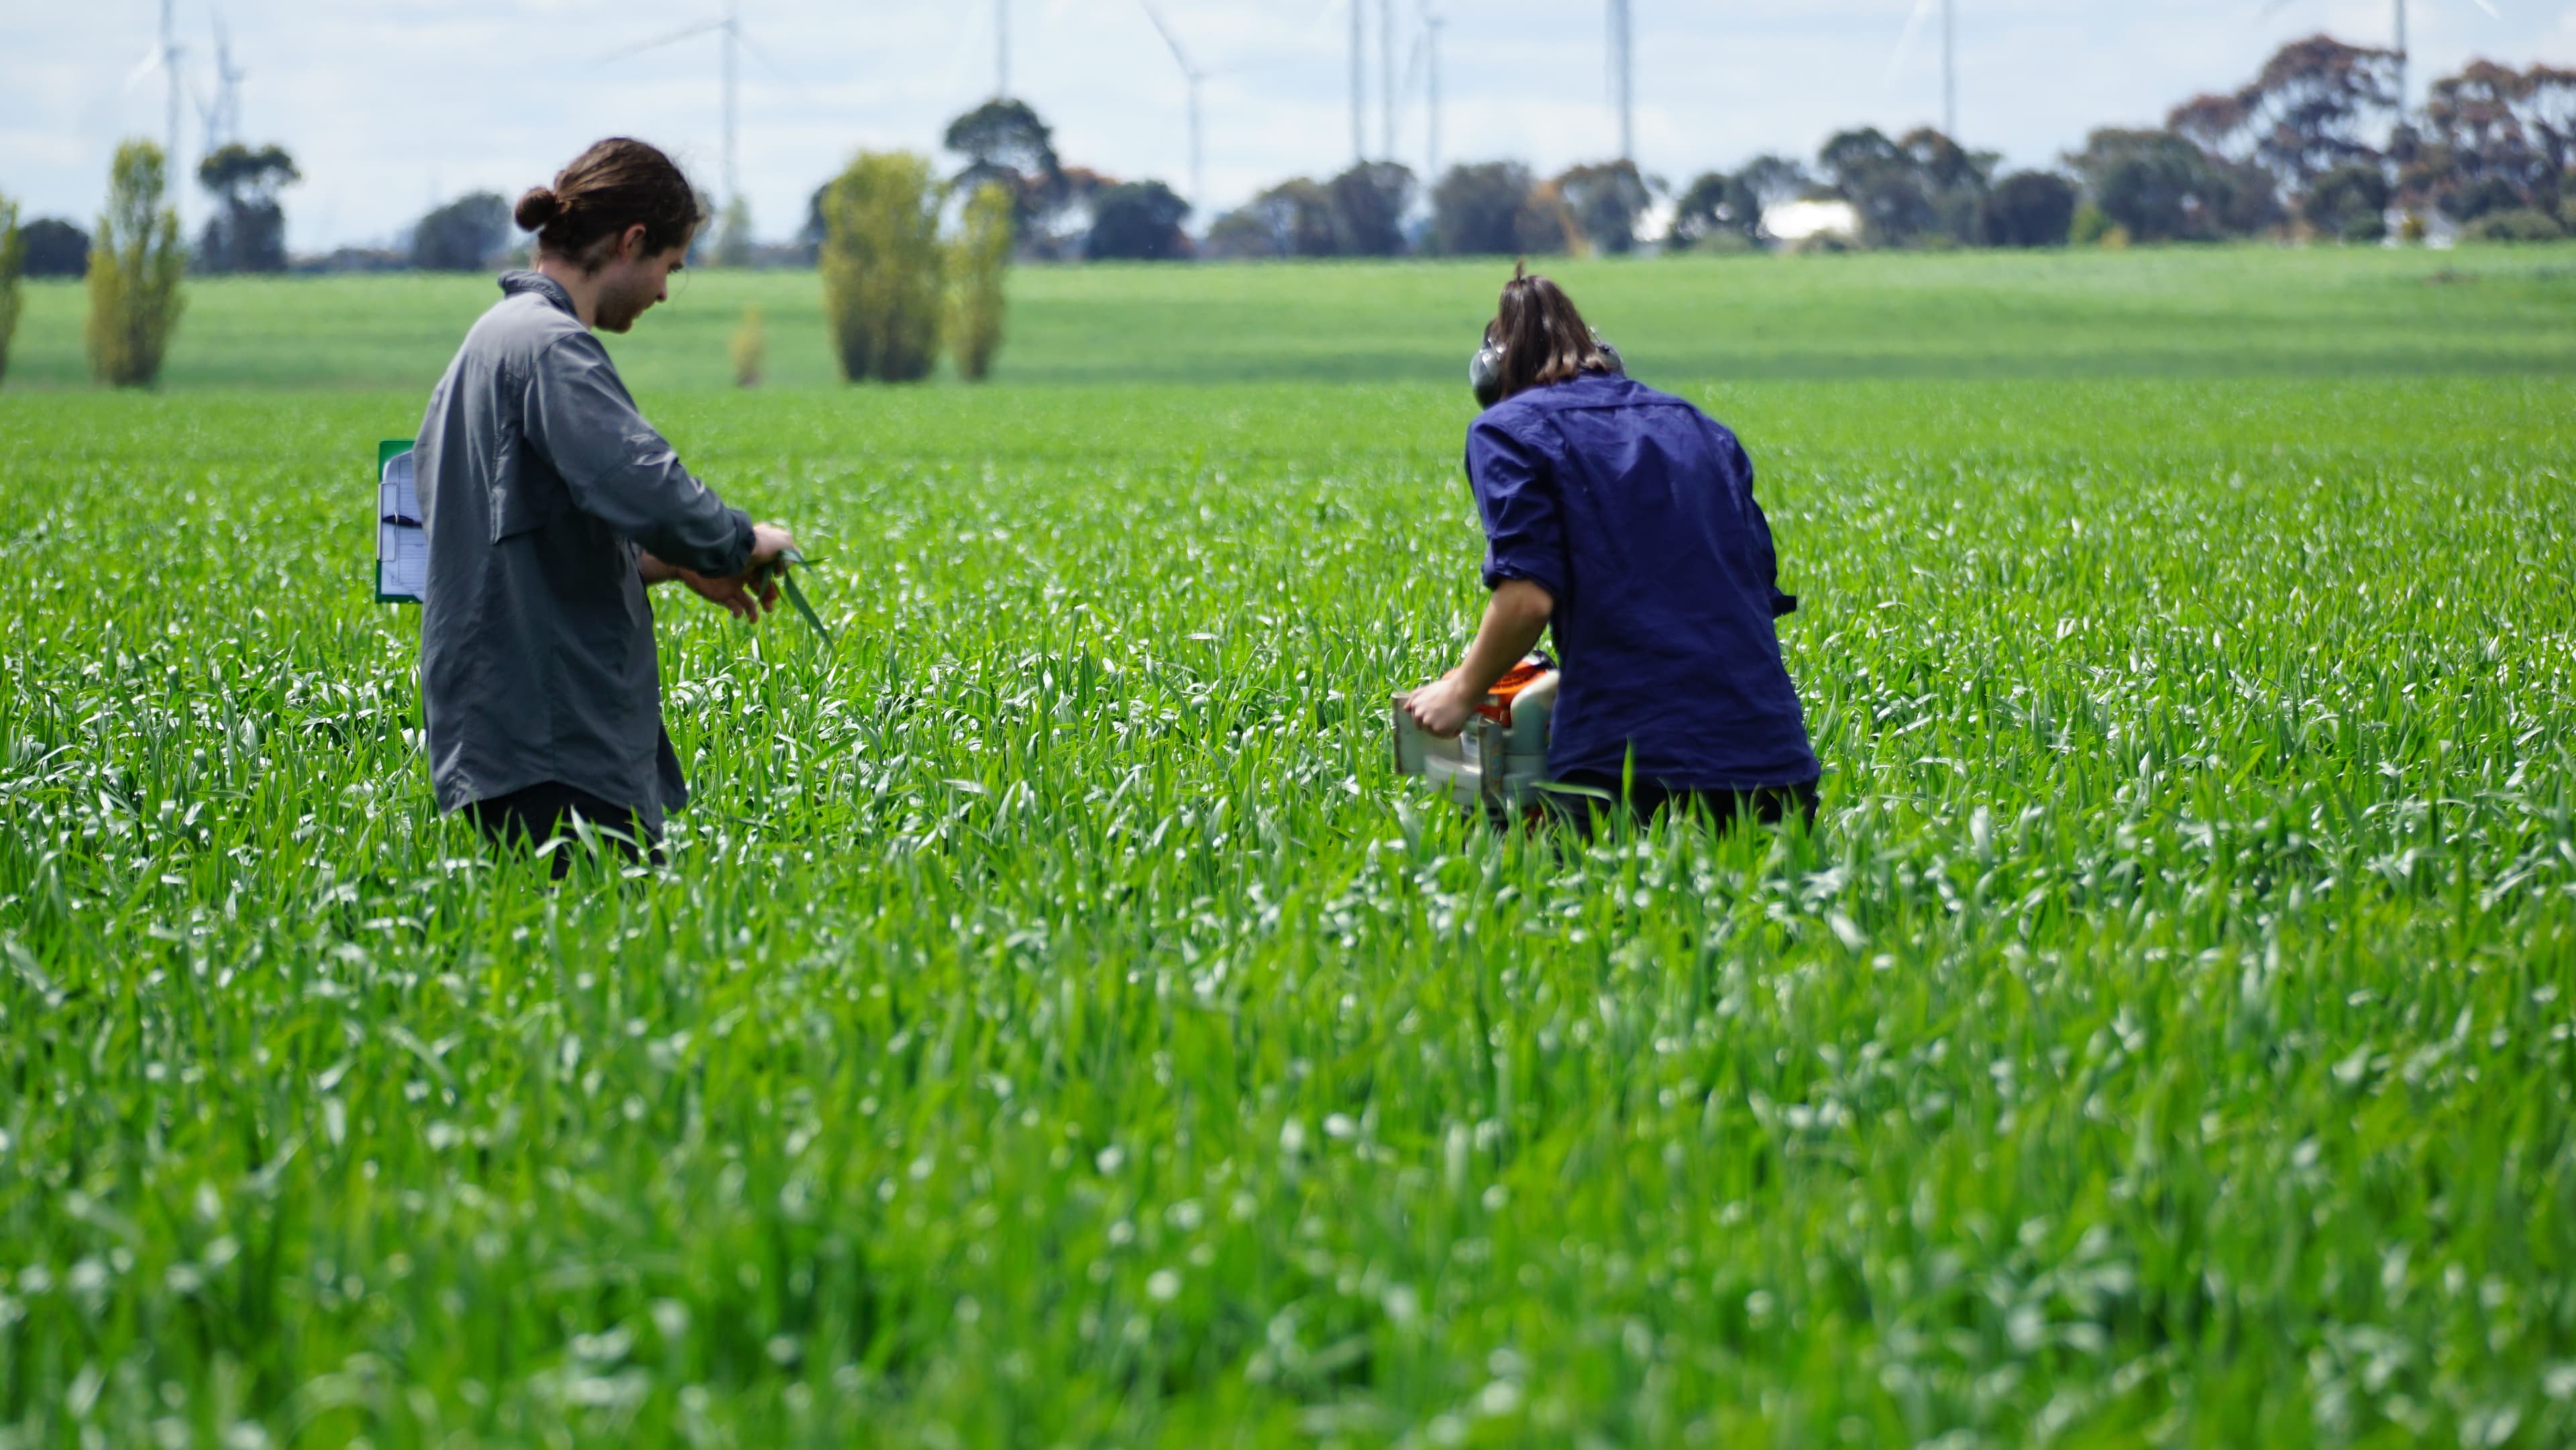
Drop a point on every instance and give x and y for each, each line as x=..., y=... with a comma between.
x=402, y=544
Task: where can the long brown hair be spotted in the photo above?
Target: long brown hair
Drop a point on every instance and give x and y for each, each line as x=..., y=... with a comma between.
x=616, y=184
x=1542, y=337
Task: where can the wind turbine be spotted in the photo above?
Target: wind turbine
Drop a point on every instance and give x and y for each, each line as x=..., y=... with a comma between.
x=165, y=59
x=221, y=117
x=2398, y=25
x=1423, y=65
x=1949, y=57
x=1194, y=75
x=1001, y=50
x=729, y=25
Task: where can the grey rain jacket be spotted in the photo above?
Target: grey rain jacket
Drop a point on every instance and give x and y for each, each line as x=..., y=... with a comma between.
x=539, y=481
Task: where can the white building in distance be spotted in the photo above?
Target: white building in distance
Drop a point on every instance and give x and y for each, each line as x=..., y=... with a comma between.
x=1794, y=223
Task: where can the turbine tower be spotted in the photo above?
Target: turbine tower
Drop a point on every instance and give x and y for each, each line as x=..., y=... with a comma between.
x=2401, y=57
x=1386, y=78
x=732, y=94
x=2397, y=28
x=1001, y=50
x=1431, y=23
x=1950, y=69
x=170, y=74
x=1949, y=57
x=1620, y=83
x=1359, y=85
x=165, y=59
x=1193, y=75
x=221, y=117
x=228, y=79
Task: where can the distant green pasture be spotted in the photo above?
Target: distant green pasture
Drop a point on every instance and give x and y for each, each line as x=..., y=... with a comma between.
x=2239, y=310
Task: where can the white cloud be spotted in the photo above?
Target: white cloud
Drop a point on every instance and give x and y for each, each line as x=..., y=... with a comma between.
x=391, y=104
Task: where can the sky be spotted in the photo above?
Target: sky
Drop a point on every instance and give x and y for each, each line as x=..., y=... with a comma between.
x=390, y=106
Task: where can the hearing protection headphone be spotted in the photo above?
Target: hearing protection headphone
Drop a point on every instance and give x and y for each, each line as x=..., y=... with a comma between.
x=1485, y=372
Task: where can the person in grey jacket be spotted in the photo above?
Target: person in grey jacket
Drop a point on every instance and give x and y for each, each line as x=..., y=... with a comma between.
x=551, y=506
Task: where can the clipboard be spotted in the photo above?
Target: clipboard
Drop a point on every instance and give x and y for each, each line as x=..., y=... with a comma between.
x=402, y=540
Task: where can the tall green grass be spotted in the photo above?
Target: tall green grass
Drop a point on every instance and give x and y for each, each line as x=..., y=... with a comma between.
x=1056, y=1025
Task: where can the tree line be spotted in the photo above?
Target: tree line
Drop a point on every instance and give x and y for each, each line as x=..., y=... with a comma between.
x=2318, y=144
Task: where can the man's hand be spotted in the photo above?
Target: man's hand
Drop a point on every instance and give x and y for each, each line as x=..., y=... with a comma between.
x=759, y=581
x=733, y=592
x=1443, y=707
x=768, y=541
x=745, y=595
x=1514, y=619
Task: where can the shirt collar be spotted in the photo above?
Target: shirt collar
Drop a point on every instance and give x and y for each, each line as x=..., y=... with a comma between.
x=1581, y=390
x=514, y=283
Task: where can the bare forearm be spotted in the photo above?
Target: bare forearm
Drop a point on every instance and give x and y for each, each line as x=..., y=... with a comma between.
x=1514, y=619
x=653, y=570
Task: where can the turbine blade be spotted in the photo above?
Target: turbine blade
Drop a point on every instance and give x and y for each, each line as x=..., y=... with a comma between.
x=2492, y=12
x=1165, y=31
x=761, y=53
x=683, y=33
x=2271, y=9
x=151, y=62
x=1905, y=38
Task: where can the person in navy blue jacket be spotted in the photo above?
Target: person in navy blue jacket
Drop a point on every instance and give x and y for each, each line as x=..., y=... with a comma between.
x=1624, y=519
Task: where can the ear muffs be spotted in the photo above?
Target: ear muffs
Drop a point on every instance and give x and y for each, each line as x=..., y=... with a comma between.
x=1485, y=370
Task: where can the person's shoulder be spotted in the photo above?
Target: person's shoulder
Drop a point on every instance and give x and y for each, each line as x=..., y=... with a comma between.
x=1640, y=396
x=515, y=332
x=1522, y=424
x=1591, y=392
x=1515, y=416
x=1510, y=415
x=1526, y=408
x=533, y=316
x=1628, y=392
x=524, y=322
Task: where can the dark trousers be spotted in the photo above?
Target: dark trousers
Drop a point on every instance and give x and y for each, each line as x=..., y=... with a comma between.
x=1646, y=800
x=526, y=819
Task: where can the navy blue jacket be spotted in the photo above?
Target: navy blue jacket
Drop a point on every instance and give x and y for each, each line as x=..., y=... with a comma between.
x=1635, y=511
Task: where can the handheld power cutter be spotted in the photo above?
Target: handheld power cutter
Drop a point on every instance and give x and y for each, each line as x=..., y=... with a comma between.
x=1498, y=764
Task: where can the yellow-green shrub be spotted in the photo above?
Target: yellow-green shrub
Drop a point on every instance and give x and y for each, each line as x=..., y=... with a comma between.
x=13, y=261
x=979, y=258
x=881, y=264
x=134, y=269
x=750, y=349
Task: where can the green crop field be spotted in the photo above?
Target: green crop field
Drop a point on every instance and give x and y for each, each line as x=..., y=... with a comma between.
x=1058, y=1026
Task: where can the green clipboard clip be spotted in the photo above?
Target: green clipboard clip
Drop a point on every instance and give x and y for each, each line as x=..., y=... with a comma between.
x=784, y=570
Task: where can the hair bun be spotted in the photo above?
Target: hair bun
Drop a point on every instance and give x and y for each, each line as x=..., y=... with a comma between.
x=537, y=208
